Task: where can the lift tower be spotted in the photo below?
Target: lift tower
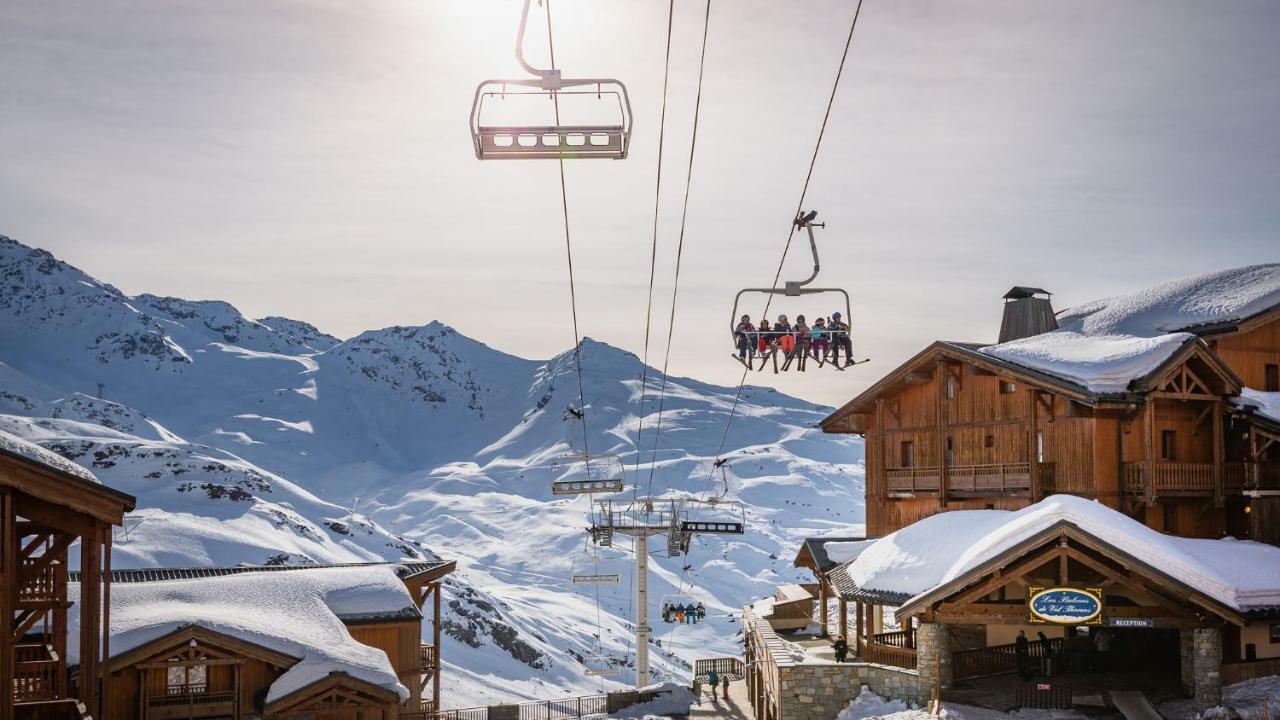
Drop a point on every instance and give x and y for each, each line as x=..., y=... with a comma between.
x=675, y=518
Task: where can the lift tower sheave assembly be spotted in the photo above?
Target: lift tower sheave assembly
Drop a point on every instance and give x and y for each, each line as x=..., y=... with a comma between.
x=678, y=519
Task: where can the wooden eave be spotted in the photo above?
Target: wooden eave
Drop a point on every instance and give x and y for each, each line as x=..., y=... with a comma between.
x=181, y=637
x=61, y=488
x=374, y=693
x=431, y=574
x=1193, y=348
x=926, y=600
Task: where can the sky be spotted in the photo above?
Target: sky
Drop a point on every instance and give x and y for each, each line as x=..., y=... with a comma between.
x=312, y=159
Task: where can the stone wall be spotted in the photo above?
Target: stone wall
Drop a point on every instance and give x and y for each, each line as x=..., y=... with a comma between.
x=933, y=654
x=1208, y=666
x=814, y=691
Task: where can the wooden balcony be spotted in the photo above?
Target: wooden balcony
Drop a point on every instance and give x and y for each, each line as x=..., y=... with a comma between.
x=895, y=648
x=172, y=706
x=50, y=710
x=427, y=658
x=39, y=675
x=1001, y=479
x=1171, y=478
x=962, y=480
x=1239, y=477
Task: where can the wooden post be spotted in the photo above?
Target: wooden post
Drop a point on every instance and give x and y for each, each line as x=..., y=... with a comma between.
x=8, y=598
x=883, y=461
x=90, y=617
x=435, y=640
x=1149, y=440
x=857, y=629
x=1033, y=442
x=940, y=375
x=822, y=600
x=236, y=683
x=106, y=620
x=844, y=619
x=1219, y=454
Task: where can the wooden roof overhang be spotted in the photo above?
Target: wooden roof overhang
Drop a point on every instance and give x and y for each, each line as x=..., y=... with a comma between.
x=181, y=638
x=1222, y=382
x=53, y=486
x=1064, y=539
x=335, y=691
x=813, y=554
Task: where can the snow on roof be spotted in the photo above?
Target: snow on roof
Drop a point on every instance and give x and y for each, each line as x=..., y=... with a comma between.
x=791, y=593
x=13, y=444
x=1106, y=344
x=1210, y=298
x=846, y=550
x=940, y=548
x=295, y=613
x=1266, y=404
x=1102, y=363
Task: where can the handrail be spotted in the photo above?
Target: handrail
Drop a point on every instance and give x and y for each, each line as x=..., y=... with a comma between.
x=998, y=659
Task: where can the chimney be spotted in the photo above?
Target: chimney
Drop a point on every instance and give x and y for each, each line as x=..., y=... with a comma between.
x=1028, y=311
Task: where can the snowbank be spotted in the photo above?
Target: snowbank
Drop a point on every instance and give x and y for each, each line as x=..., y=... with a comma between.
x=940, y=548
x=31, y=451
x=675, y=700
x=295, y=612
x=870, y=705
x=1250, y=700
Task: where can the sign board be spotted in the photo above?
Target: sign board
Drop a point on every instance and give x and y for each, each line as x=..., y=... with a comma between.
x=1126, y=622
x=1044, y=686
x=1065, y=605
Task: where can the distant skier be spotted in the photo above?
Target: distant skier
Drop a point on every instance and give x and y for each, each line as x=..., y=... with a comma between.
x=701, y=611
x=724, y=682
x=713, y=679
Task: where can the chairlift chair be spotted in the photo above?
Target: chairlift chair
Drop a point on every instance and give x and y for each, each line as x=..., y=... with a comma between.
x=671, y=604
x=599, y=664
x=556, y=140
x=583, y=474
x=794, y=288
x=715, y=517
x=594, y=568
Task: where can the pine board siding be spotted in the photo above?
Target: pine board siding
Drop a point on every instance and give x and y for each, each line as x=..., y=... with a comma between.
x=1248, y=353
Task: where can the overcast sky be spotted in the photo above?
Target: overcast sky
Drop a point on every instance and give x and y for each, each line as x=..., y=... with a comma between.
x=311, y=159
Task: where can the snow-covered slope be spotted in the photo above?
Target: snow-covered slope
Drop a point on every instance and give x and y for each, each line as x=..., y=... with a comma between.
x=267, y=441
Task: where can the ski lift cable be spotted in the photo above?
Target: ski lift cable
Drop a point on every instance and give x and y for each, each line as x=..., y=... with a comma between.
x=573, y=296
x=790, y=234
x=653, y=251
x=791, y=228
x=684, y=214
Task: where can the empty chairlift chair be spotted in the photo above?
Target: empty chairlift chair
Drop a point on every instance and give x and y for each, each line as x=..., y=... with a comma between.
x=605, y=133
x=712, y=517
x=582, y=474
x=595, y=568
x=601, y=664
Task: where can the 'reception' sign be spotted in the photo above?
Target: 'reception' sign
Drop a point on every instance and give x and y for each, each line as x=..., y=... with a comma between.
x=1065, y=606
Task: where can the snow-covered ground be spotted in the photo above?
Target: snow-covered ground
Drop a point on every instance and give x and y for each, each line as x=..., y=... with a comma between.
x=267, y=441
x=1256, y=699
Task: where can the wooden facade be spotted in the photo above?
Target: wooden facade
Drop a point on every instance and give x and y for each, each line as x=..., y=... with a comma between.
x=43, y=512
x=196, y=672
x=957, y=429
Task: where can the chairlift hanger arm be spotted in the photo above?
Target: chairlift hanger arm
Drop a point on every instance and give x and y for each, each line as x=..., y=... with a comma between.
x=548, y=79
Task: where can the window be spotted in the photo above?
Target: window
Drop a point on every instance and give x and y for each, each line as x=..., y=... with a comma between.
x=908, y=456
x=951, y=387
x=1168, y=445
x=951, y=453
x=989, y=441
x=1039, y=446
x=184, y=679
x=1007, y=387
x=1272, y=381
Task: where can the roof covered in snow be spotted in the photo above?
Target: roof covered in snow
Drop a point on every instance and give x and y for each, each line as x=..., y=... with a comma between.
x=827, y=553
x=13, y=445
x=1264, y=404
x=1239, y=574
x=299, y=614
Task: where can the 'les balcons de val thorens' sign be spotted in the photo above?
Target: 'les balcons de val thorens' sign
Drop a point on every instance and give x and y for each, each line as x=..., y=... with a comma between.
x=1065, y=606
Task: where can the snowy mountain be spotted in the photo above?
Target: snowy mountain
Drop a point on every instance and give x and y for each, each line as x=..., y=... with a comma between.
x=268, y=441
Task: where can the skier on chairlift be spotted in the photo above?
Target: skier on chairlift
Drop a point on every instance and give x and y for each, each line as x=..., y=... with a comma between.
x=745, y=335
x=840, y=339
x=819, y=343
x=802, y=342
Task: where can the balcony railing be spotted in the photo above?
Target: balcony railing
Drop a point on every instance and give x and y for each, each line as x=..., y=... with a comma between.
x=38, y=674
x=888, y=655
x=989, y=479
x=973, y=480
x=69, y=709
x=42, y=586
x=183, y=705
x=1171, y=478
x=897, y=638
x=1242, y=476
x=427, y=658
x=999, y=659
x=903, y=481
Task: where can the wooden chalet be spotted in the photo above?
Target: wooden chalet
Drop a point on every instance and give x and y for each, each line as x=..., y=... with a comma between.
x=214, y=667
x=47, y=504
x=1180, y=447
x=1157, y=414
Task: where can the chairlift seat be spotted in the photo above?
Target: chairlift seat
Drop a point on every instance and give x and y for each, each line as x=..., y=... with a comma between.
x=601, y=666
x=582, y=487
x=711, y=528
x=610, y=140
